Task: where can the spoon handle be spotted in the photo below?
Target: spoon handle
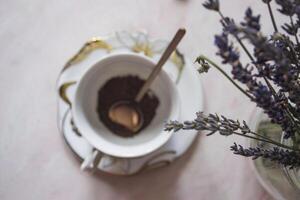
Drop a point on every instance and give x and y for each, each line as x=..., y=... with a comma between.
x=167, y=53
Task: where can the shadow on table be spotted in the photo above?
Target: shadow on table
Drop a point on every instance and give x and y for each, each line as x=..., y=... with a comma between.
x=154, y=184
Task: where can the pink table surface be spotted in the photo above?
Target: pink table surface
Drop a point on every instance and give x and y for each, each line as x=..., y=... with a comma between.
x=37, y=38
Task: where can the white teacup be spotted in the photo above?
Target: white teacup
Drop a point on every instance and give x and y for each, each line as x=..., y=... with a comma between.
x=84, y=108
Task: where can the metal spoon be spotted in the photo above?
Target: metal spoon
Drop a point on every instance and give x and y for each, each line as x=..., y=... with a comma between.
x=128, y=114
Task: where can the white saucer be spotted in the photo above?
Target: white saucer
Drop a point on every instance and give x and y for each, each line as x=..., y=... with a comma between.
x=178, y=68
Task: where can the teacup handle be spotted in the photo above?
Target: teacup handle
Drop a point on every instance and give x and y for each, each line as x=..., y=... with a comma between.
x=91, y=161
x=63, y=92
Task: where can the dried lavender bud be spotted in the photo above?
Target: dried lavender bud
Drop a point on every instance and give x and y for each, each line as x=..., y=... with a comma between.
x=266, y=1
x=173, y=126
x=286, y=158
x=204, y=66
x=287, y=7
x=226, y=23
x=251, y=21
x=290, y=29
x=226, y=49
x=212, y=5
x=286, y=48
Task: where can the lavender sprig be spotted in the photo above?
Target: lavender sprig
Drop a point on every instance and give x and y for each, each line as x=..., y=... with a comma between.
x=286, y=158
x=265, y=52
x=213, y=123
x=276, y=60
x=281, y=60
x=260, y=93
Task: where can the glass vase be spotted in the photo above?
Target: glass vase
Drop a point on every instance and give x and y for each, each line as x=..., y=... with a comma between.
x=281, y=182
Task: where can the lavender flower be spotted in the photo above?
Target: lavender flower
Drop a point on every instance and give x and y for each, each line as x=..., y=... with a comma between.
x=287, y=7
x=275, y=61
x=286, y=158
x=266, y=1
x=251, y=21
x=261, y=93
x=212, y=123
x=290, y=29
x=282, y=72
x=212, y=5
x=226, y=50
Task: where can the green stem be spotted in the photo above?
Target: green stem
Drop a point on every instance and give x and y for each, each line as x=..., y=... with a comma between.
x=272, y=18
x=258, y=135
x=292, y=22
x=244, y=48
x=267, y=140
x=226, y=75
x=221, y=15
x=290, y=115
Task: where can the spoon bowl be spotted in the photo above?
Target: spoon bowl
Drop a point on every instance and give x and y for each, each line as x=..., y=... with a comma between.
x=128, y=115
